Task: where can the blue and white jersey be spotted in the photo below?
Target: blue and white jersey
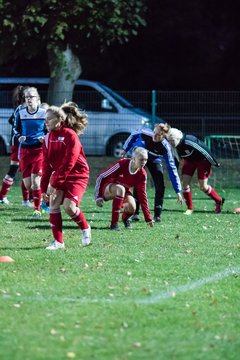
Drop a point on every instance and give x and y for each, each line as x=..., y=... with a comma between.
x=31, y=125
x=156, y=151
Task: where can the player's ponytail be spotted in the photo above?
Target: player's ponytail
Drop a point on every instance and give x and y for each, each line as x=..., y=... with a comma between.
x=76, y=119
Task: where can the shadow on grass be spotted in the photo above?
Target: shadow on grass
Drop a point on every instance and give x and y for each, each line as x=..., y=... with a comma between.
x=197, y=211
x=22, y=248
x=31, y=220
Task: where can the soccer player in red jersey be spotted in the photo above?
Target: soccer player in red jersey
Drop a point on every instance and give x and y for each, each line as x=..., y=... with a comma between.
x=18, y=101
x=196, y=156
x=115, y=184
x=65, y=170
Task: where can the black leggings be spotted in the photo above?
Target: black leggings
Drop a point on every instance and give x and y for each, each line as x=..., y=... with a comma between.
x=156, y=171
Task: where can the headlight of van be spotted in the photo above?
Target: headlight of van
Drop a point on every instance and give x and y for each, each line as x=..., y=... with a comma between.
x=146, y=121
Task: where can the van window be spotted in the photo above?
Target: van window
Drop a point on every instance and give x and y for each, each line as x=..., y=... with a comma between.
x=89, y=99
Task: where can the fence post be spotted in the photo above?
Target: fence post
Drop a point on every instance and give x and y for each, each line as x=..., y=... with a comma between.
x=154, y=106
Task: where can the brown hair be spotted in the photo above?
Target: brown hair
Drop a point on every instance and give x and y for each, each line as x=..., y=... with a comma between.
x=76, y=119
x=163, y=128
x=18, y=95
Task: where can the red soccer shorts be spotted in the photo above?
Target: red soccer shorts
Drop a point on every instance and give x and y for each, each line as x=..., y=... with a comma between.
x=75, y=190
x=14, y=153
x=203, y=167
x=31, y=161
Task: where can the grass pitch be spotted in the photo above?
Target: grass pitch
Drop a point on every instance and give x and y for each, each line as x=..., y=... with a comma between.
x=168, y=292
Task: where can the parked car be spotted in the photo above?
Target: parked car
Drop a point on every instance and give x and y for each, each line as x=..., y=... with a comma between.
x=111, y=117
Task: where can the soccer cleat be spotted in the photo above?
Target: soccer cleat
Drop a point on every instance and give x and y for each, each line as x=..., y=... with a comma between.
x=86, y=236
x=44, y=207
x=55, y=245
x=188, y=212
x=4, y=201
x=27, y=203
x=114, y=227
x=127, y=224
x=157, y=219
x=219, y=205
x=135, y=217
x=37, y=214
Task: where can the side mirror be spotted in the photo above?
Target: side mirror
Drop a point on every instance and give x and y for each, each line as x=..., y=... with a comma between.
x=105, y=104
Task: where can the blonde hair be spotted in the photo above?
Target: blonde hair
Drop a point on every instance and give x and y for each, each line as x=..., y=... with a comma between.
x=71, y=116
x=139, y=151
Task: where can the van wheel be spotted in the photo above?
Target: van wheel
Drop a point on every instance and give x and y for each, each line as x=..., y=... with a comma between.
x=115, y=145
x=3, y=150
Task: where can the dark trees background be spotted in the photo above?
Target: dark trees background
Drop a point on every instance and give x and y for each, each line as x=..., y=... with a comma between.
x=188, y=44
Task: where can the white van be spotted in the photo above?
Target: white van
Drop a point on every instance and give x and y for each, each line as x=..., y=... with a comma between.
x=111, y=117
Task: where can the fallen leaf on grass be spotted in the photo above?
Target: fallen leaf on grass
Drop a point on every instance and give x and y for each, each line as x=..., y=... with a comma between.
x=71, y=355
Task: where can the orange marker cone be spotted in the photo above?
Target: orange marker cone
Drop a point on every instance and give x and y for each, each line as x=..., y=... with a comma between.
x=6, y=259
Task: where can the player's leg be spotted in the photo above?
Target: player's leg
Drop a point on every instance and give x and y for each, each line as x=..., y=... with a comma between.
x=9, y=178
x=188, y=170
x=129, y=206
x=55, y=218
x=116, y=193
x=72, y=198
x=36, y=156
x=37, y=194
x=204, y=171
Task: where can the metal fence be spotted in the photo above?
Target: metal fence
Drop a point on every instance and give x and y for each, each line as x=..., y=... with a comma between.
x=203, y=113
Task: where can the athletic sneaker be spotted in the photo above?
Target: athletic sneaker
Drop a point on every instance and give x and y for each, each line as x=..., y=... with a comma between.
x=27, y=203
x=135, y=217
x=55, y=245
x=219, y=205
x=157, y=219
x=127, y=224
x=86, y=236
x=188, y=212
x=44, y=207
x=37, y=214
x=114, y=227
x=4, y=201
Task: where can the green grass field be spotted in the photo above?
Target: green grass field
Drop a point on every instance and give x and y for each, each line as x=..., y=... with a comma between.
x=168, y=292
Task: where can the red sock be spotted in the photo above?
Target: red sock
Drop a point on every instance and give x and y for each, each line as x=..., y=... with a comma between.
x=6, y=184
x=56, y=224
x=126, y=216
x=116, y=208
x=37, y=199
x=188, y=198
x=213, y=195
x=80, y=220
x=25, y=193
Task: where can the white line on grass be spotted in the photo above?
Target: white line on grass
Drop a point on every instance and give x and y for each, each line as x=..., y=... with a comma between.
x=163, y=295
x=160, y=296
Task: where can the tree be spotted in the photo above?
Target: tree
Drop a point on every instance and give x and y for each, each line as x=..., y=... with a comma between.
x=66, y=30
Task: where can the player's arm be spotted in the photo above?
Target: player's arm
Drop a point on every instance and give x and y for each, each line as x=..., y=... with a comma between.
x=142, y=195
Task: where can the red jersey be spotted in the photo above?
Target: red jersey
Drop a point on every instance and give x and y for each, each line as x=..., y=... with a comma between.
x=63, y=159
x=120, y=173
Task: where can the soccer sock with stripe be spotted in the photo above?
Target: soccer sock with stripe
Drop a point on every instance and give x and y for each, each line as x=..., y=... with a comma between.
x=6, y=185
x=116, y=208
x=213, y=195
x=80, y=220
x=187, y=194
